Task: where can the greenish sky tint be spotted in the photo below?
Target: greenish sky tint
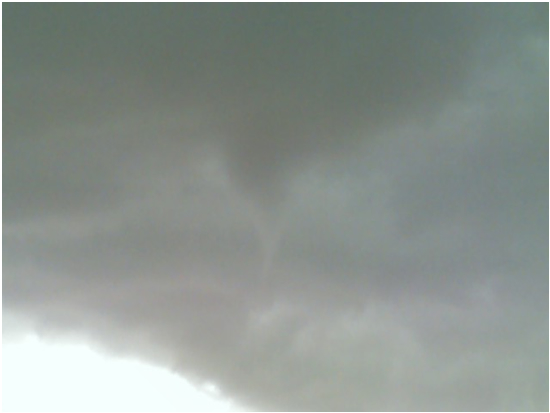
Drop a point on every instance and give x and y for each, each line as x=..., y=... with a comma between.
x=315, y=207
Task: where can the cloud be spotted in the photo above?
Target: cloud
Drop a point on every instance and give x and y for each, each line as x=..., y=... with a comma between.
x=330, y=207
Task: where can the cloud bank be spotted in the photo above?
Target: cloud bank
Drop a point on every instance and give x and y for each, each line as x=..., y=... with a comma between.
x=315, y=207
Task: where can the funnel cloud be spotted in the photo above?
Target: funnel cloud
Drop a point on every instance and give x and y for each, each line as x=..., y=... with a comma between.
x=329, y=207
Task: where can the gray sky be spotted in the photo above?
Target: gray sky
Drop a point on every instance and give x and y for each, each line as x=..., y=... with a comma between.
x=314, y=207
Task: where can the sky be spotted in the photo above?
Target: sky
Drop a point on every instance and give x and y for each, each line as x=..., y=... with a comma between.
x=328, y=207
x=54, y=376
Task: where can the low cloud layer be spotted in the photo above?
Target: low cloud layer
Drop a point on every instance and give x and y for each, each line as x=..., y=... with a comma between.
x=315, y=207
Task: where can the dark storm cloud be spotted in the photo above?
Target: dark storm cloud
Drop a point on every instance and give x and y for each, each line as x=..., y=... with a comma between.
x=329, y=207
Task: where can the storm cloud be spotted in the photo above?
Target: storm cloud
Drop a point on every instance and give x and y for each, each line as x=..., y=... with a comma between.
x=315, y=207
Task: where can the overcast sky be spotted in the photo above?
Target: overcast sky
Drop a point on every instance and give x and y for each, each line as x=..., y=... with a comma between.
x=312, y=207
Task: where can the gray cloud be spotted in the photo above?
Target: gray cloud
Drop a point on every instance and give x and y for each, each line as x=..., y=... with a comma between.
x=329, y=207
